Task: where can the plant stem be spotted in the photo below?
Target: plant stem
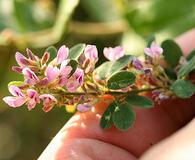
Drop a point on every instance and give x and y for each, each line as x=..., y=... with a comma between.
x=109, y=92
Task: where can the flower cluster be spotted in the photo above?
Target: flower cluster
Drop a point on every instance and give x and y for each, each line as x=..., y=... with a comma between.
x=43, y=78
x=72, y=79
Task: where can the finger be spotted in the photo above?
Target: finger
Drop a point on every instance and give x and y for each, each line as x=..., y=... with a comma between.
x=86, y=149
x=179, y=146
x=186, y=41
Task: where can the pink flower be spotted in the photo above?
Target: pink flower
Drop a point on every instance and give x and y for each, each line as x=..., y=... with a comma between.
x=18, y=98
x=64, y=73
x=17, y=69
x=45, y=58
x=62, y=54
x=114, y=54
x=154, y=51
x=75, y=81
x=30, y=55
x=83, y=107
x=29, y=76
x=137, y=64
x=53, y=73
x=21, y=60
x=33, y=98
x=48, y=101
x=91, y=53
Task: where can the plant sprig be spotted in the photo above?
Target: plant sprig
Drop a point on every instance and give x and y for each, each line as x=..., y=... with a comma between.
x=68, y=77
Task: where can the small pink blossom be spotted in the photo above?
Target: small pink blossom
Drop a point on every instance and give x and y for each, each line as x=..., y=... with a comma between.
x=52, y=73
x=45, y=58
x=114, y=54
x=62, y=54
x=48, y=101
x=137, y=64
x=91, y=53
x=83, y=107
x=33, y=98
x=75, y=81
x=64, y=73
x=18, y=98
x=21, y=60
x=30, y=55
x=154, y=51
x=17, y=69
x=29, y=76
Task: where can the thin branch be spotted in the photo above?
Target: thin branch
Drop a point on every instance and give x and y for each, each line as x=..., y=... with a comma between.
x=109, y=92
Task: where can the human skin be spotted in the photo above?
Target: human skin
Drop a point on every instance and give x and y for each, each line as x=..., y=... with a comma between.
x=81, y=138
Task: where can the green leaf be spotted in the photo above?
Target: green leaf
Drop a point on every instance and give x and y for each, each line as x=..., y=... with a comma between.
x=172, y=52
x=16, y=83
x=191, y=55
x=121, y=80
x=74, y=65
x=106, y=119
x=53, y=51
x=76, y=51
x=123, y=117
x=187, y=68
x=183, y=88
x=109, y=68
x=139, y=101
x=170, y=73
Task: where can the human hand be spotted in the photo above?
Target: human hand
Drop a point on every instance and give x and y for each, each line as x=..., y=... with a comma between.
x=82, y=138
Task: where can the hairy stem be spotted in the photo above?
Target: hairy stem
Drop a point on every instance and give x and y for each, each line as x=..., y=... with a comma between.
x=109, y=92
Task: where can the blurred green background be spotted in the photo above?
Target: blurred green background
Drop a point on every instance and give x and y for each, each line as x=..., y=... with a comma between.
x=37, y=24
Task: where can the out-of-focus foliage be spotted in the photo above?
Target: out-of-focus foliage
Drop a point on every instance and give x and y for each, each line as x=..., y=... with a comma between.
x=37, y=24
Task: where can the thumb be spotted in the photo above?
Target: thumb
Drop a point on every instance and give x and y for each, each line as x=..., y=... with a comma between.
x=179, y=146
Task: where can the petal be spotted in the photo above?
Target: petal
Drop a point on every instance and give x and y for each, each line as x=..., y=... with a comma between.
x=14, y=101
x=108, y=53
x=47, y=108
x=15, y=91
x=137, y=64
x=52, y=73
x=79, y=75
x=21, y=60
x=72, y=85
x=91, y=53
x=32, y=93
x=48, y=96
x=65, y=71
x=43, y=82
x=156, y=49
x=114, y=54
x=148, y=52
x=30, y=76
x=31, y=104
x=63, y=81
x=30, y=54
x=119, y=52
x=64, y=63
x=62, y=54
x=17, y=69
x=45, y=58
x=83, y=107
